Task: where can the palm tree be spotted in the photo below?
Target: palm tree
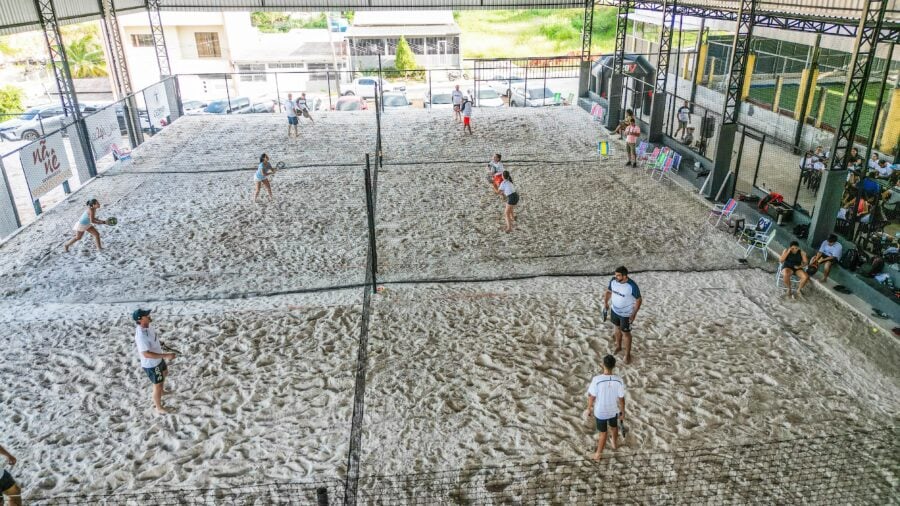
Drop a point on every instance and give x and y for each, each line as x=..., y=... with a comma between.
x=86, y=58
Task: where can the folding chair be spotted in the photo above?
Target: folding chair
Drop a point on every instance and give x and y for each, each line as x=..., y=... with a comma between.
x=670, y=166
x=603, y=149
x=722, y=211
x=761, y=242
x=779, y=280
x=659, y=162
x=122, y=155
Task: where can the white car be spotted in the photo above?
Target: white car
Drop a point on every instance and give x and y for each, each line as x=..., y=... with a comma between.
x=396, y=101
x=365, y=87
x=532, y=97
x=38, y=121
x=487, y=97
x=439, y=99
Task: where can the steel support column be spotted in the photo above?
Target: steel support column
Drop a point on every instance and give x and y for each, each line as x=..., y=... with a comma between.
x=658, y=105
x=614, y=99
x=119, y=67
x=808, y=89
x=740, y=50
x=829, y=199
x=587, y=27
x=61, y=72
x=159, y=38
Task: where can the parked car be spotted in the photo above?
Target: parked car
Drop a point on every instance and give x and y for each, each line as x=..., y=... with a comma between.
x=261, y=107
x=224, y=106
x=533, y=97
x=143, y=117
x=503, y=84
x=442, y=99
x=350, y=103
x=487, y=97
x=37, y=121
x=396, y=101
x=365, y=87
x=193, y=106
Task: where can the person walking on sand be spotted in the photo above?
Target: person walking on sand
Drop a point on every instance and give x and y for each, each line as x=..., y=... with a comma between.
x=495, y=172
x=7, y=484
x=86, y=224
x=632, y=134
x=261, y=178
x=303, y=107
x=684, y=117
x=456, y=97
x=293, y=121
x=467, y=115
x=153, y=360
x=512, y=198
x=606, y=405
x=624, y=297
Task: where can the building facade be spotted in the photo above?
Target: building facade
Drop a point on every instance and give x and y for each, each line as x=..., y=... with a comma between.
x=433, y=37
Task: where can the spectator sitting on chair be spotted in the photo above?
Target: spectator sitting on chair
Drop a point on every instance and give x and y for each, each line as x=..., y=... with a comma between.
x=793, y=260
x=884, y=170
x=808, y=159
x=829, y=252
x=873, y=161
x=620, y=129
x=688, y=138
x=868, y=186
x=820, y=153
x=853, y=159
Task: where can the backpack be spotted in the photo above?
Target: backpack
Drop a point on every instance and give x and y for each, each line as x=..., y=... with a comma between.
x=801, y=231
x=851, y=260
x=772, y=198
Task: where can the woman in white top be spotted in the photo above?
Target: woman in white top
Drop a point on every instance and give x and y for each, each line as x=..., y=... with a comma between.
x=495, y=172
x=512, y=198
x=86, y=224
x=261, y=178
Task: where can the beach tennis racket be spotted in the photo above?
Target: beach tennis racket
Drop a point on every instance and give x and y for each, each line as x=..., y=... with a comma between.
x=605, y=314
x=622, y=428
x=111, y=221
x=280, y=165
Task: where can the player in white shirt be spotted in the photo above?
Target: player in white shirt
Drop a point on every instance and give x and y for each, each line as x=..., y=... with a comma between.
x=150, y=352
x=291, y=110
x=7, y=484
x=512, y=198
x=829, y=252
x=303, y=107
x=457, y=97
x=624, y=296
x=606, y=404
x=495, y=172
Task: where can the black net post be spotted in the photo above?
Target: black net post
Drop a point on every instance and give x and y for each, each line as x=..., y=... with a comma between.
x=321, y=496
x=370, y=213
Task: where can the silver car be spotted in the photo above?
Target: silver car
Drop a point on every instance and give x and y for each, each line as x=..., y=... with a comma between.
x=36, y=122
x=532, y=97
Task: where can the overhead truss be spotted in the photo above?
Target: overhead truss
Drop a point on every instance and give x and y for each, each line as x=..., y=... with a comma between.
x=740, y=51
x=159, y=38
x=587, y=29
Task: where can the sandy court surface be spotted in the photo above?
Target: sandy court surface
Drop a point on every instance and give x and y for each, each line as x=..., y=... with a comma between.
x=263, y=391
x=496, y=373
x=194, y=236
x=460, y=374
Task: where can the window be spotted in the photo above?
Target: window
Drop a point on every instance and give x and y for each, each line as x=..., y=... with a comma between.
x=141, y=40
x=319, y=71
x=417, y=45
x=286, y=66
x=246, y=69
x=392, y=46
x=208, y=45
x=370, y=47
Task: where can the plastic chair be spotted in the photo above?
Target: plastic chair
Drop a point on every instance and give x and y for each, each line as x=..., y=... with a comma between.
x=122, y=155
x=659, y=161
x=670, y=166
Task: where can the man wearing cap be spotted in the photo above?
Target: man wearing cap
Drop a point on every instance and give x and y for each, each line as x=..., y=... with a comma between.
x=153, y=360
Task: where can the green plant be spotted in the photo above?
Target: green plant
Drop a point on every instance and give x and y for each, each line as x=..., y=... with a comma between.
x=85, y=57
x=320, y=21
x=405, y=59
x=348, y=15
x=11, y=99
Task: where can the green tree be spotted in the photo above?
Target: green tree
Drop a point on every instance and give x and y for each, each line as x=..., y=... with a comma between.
x=10, y=100
x=86, y=57
x=405, y=59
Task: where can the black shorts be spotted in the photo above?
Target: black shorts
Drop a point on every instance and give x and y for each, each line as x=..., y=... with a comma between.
x=623, y=322
x=6, y=481
x=612, y=422
x=512, y=199
x=156, y=373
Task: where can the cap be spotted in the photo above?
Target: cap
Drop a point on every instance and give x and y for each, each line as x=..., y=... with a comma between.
x=139, y=313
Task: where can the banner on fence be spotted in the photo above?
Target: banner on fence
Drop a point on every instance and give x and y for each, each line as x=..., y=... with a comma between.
x=157, y=104
x=45, y=164
x=8, y=222
x=103, y=128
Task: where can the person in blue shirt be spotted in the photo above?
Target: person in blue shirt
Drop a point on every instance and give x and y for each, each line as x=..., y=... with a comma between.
x=624, y=298
x=868, y=187
x=261, y=178
x=86, y=224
